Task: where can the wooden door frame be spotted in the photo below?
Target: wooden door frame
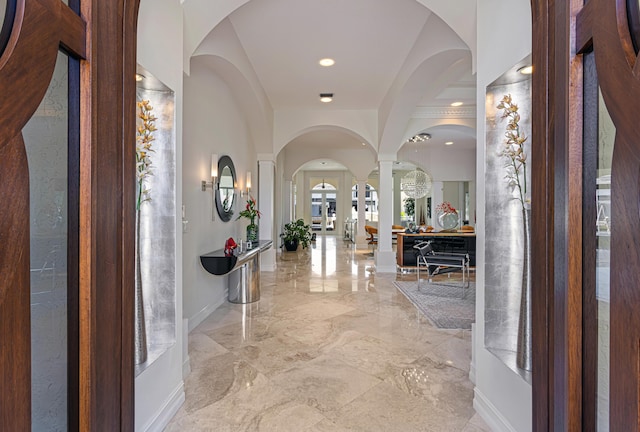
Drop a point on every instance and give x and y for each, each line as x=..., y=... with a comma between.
x=103, y=37
x=564, y=344
x=556, y=218
x=107, y=216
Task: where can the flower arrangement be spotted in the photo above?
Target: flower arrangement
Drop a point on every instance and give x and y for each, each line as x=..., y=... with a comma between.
x=250, y=211
x=445, y=208
x=513, y=151
x=144, y=138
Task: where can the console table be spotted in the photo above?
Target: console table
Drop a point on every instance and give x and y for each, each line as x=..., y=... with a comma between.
x=459, y=242
x=243, y=270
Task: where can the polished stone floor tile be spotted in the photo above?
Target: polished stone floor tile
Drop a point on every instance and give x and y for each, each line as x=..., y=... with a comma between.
x=331, y=346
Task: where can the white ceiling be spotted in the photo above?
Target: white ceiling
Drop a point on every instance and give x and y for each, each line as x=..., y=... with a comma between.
x=370, y=40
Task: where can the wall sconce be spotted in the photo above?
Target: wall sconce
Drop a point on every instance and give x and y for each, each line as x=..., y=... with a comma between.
x=248, y=183
x=213, y=183
x=214, y=174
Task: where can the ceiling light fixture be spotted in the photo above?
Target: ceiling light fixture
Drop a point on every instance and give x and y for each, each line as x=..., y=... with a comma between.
x=457, y=104
x=526, y=70
x=416, y=184
x=419, y=138
x=326, y=62
x=326, y=97
x=449, y=143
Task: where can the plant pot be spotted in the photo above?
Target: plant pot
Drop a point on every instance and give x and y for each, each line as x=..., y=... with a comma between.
x=291, y=245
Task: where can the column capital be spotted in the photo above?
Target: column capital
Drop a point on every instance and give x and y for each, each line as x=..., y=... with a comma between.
x=266, y=157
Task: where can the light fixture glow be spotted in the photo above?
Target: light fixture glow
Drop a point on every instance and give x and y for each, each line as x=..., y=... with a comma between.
x=214, y=165
x=364, y=144
x=419, y=138
x=139, y=77
x=449, y=143
x=457, y=104
x=213, y=184
x=326, y=97
x=526, y=70
x=326, y=62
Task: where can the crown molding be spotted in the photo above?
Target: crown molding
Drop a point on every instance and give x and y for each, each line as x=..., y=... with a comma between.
x=444, y=112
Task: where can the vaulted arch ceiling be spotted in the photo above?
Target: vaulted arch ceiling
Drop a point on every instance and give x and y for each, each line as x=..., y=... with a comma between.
x=393, y=58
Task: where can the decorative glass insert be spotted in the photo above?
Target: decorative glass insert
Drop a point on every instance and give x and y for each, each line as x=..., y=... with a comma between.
x=46, y=142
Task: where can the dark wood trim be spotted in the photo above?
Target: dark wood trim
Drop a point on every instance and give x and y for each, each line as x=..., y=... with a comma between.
x=556, y=219
x=73, y=244
x=15, y=323
x=589, y=303
x=107, y=216
x=130, y=14
x=541, y=220
x=72, y=32
x=584, y=27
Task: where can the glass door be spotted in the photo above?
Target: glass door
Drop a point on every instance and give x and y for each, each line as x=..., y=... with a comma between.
x=324, y=208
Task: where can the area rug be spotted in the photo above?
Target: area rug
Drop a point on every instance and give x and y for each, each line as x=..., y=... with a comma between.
x=445, y=304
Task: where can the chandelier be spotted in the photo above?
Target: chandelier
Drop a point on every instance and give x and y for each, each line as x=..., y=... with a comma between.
x=416, y=184
x=419, y=138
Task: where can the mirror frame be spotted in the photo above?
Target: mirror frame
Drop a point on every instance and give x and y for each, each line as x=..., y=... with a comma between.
x=223, y=162
x=7, y=24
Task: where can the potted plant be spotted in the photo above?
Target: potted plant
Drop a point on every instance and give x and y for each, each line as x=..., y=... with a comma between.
x=296, y=233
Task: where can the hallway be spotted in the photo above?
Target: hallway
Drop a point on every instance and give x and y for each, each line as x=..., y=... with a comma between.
x=331, y=346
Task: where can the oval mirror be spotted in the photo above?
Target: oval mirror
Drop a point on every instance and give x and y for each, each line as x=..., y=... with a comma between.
x=7, y=14
x=225, y=195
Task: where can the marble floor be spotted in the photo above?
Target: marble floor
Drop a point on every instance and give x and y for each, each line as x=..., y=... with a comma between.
x=330, y=346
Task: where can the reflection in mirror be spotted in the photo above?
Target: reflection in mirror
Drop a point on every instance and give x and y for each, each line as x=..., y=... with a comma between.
x=225, y=195
x=226, y=189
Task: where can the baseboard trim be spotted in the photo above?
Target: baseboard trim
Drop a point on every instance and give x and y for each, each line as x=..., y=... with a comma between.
x=490, y=414
x=167, y=411
x=198, y=318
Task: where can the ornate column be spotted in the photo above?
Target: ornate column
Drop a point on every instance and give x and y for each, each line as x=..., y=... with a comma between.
x=385, y=256
x=266, y=204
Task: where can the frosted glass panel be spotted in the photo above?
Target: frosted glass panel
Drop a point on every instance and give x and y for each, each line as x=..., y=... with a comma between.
x=606, y=138
x=46, y=143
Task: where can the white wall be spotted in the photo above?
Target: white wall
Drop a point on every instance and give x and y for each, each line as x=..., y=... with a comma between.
x=159, y=389
x=502, y=397
x=209, y=106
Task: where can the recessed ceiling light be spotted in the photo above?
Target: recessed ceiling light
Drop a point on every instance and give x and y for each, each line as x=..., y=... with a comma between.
x=449, y=143
x=323, y=163
x=326, y=97
x=326, y=62
x=139, y=77
x=456, y=104
x=364, y=144
x=526, y=70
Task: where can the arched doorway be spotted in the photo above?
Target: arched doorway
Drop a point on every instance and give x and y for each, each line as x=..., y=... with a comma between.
x=324, y=207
